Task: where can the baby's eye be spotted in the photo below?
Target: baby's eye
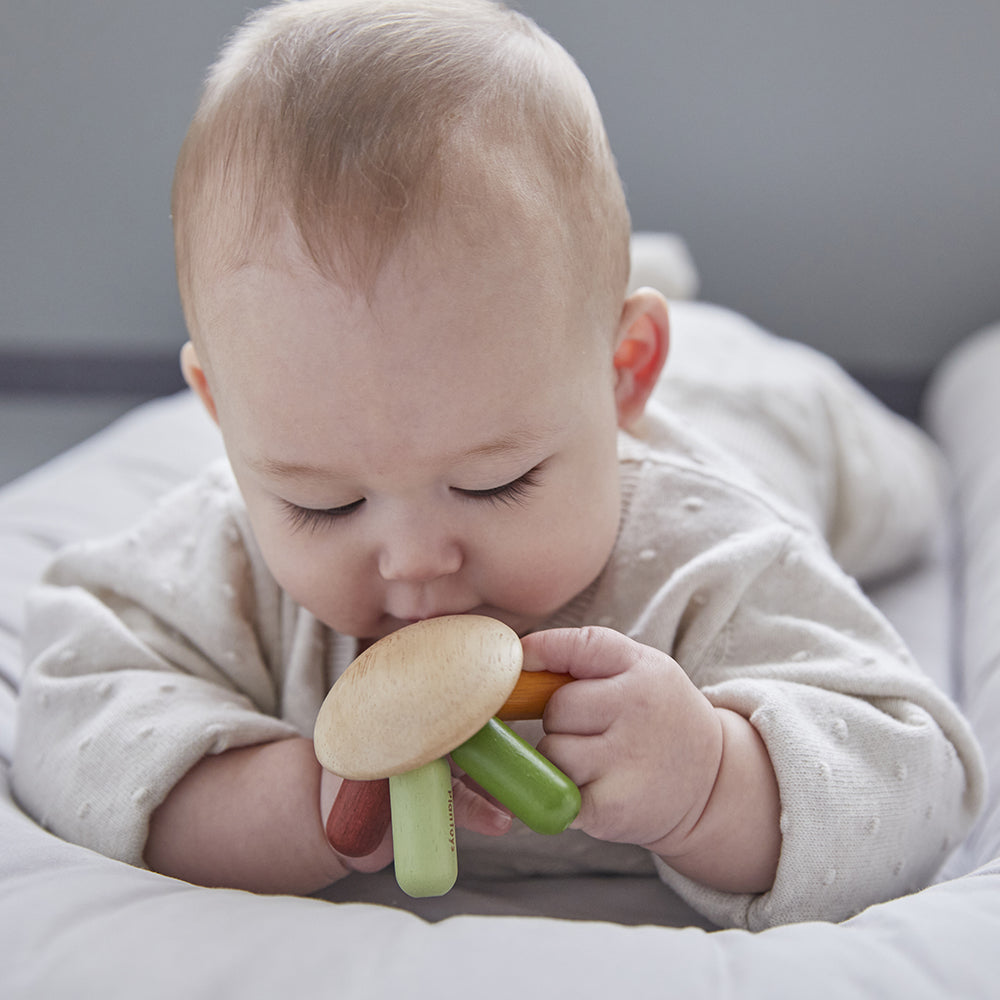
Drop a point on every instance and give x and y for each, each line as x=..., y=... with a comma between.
x=516, y=492
x=312, y=519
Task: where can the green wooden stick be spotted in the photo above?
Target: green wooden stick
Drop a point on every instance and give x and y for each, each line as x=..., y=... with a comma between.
x=516, y=774
x=423, y=829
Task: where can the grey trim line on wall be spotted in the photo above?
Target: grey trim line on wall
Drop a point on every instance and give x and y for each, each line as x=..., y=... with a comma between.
x=89, y=374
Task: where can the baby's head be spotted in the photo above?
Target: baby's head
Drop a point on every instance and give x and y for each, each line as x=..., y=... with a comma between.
x=402, y=249
x=364, y=124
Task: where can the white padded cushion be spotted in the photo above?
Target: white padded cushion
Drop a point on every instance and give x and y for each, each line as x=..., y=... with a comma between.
x=964, y=414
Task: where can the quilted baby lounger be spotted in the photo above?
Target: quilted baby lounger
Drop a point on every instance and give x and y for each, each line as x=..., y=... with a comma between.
x=75, y=923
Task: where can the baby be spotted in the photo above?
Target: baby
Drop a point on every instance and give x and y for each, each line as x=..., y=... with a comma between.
x=403, y=253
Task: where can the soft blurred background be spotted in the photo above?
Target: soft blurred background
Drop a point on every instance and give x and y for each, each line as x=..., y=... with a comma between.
x=833, y=166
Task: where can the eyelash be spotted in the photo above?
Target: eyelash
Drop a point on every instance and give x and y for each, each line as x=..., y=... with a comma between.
x=514, y=493
x=312, y=519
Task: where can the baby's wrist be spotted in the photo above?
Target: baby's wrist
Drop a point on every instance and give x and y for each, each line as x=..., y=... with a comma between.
x=734, y=843
x=687, y=834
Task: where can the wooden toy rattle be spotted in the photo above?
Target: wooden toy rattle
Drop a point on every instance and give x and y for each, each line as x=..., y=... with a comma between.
x=435, y=688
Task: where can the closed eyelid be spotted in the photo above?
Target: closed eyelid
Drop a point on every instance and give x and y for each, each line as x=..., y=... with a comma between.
x=515, y=491
x=311, y=518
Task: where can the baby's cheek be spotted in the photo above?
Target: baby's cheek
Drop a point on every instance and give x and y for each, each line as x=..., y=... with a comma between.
x=551, y=575
x=322, y=582
x=582, y=548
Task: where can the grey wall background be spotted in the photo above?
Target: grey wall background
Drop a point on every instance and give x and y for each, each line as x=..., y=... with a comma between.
x=834, y=166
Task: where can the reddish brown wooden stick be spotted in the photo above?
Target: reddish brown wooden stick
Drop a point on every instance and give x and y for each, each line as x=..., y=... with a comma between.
x=359, y=818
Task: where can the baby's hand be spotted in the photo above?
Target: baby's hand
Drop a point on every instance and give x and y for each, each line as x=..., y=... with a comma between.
x=641, y=741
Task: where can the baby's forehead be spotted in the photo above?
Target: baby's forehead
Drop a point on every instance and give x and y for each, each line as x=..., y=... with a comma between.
x=420, y=355
x=278, y=301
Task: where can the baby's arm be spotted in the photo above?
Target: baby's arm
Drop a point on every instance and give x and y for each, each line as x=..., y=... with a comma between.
x=658, y=765
x=254, y=818
x=250, y=819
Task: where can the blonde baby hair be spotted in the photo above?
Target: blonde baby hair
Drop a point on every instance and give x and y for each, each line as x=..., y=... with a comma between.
x=362, y=122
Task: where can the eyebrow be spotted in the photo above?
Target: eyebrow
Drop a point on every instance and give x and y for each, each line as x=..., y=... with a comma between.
x=281, y=469
x=277, y=468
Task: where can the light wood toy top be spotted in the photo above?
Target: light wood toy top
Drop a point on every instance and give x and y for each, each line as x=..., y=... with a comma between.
x=417, y=694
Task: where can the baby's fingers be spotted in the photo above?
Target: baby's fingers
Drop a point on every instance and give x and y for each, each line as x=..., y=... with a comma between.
x=607, y=802
x=581, y=758
x=581, y=652
x=585, y=708
x=475, y=812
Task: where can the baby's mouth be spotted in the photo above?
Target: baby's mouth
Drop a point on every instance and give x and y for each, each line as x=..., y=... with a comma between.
x=394, y=623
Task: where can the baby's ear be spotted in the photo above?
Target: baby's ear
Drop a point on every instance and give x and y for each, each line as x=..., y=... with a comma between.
x=640, y=351
x=195, y=377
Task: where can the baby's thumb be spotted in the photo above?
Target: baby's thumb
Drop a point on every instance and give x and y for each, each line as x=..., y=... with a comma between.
x=586, y=652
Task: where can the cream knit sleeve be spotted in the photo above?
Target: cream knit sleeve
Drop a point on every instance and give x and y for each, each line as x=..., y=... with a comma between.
x=878, y=772
x=146, y=652
x=879, y=775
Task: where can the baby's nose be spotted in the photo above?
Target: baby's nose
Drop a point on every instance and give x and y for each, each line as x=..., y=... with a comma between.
x=419, y=557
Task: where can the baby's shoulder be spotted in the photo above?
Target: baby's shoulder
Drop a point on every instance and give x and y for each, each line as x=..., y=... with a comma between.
x=191, y=524
x=193, y=513
x=679, y=481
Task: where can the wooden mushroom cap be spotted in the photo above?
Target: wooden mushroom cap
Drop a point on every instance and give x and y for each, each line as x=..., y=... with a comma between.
x=416, y=695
